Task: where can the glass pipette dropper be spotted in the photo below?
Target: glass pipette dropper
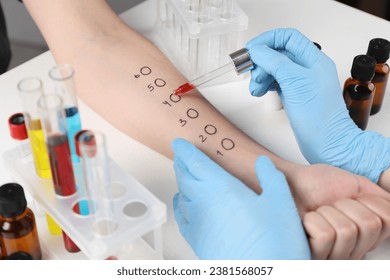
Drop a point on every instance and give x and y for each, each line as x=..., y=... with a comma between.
x=240, y=61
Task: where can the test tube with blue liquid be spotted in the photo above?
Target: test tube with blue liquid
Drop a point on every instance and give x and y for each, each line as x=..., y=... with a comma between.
x=62, y=76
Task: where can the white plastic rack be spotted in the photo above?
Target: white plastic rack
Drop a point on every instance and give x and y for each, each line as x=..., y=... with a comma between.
x=199, y=35
x=138, y=214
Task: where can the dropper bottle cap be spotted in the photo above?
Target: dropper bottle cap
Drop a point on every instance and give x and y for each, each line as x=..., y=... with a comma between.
x=363, y=68
x=379, y=49
x=12, y=200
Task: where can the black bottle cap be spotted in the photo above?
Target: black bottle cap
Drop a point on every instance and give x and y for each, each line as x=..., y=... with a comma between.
x=20, y=255
x=363, y=67
x=12, y=200
x=379, y=49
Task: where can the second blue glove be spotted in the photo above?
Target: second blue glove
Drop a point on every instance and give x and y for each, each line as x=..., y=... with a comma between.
x=221, y=218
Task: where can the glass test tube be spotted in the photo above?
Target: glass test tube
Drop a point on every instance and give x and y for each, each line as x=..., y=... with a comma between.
x=55, y=130
x=31, y=90
x=93, y=152
x=196, y=5
x=63, y=78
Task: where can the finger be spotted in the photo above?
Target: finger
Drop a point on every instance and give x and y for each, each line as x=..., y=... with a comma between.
x=259, y=88
x=303, y=50
x=196, y=163
x=273, y=62
x=321, y=234
x=346, y=232
x=180, y=218
x=258, y=75
x=274, y=185
x=275, y=87
x=189, y=186
x=369, y=225
x=381, y=207
x=180, y=168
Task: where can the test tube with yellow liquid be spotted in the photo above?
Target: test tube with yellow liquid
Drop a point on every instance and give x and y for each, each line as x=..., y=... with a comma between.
x=31, y=90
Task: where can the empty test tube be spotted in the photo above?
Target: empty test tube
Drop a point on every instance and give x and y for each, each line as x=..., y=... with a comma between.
x=224, y=8
x=54, y=125
x=91, y=147
x=63, y=78
x=198, y=6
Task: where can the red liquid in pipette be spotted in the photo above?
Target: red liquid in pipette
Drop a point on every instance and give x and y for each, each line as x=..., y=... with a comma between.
x=184, y=89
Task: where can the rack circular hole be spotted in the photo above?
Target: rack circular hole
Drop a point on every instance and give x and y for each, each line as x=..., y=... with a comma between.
x=135, y=209
x=226, y=15
x=104, y=227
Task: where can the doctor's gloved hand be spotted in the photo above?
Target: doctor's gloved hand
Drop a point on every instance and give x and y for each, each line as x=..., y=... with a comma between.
x=221, y=218
x=308, y=84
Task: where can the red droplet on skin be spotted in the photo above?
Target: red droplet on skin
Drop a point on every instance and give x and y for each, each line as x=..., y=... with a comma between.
x=184, y=89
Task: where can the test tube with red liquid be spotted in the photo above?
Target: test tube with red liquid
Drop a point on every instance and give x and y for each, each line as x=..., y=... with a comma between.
x=55, y=132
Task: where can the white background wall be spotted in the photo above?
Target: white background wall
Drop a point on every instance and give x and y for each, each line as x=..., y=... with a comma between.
x=21, y=28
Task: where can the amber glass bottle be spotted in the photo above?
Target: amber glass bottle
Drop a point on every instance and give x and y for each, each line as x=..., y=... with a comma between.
x=18, y=230
x=359, y=90
x=379, y=49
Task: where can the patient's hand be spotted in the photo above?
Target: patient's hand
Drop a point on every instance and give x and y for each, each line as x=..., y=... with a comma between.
x=345, y=215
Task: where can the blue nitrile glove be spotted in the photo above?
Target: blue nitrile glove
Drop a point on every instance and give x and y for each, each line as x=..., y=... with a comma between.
x=310, y=90
x=221, y=218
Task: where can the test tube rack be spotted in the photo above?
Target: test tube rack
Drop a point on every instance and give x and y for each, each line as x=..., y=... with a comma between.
x=139, y=215
x=199, y=35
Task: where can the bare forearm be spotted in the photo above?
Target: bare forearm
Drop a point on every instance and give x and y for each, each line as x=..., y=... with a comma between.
x=129, y=82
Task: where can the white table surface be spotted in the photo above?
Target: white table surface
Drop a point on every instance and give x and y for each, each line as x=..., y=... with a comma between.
x=343, y=32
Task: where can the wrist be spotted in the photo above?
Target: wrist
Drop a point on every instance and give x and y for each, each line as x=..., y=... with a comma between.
x=375, y=156
x=288, y=168
x=366, y=153
x=384, y=180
